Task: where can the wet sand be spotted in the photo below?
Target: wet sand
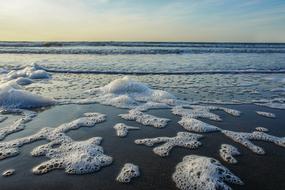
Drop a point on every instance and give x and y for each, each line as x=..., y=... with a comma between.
x=263, y=172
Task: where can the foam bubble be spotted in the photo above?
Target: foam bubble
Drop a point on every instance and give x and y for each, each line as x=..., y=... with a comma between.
x=244, y=139
x=227, y=153
x=145, y=119
x=128, y=172
x=191, y=124
x=266, y=114
x=122, y=129
x=9, y=172
x=200, y=173
x=183, y=139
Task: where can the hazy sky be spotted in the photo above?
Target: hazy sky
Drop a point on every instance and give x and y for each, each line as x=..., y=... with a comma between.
x=149, y=20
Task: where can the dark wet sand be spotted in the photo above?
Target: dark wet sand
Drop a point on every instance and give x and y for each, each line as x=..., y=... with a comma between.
x=258, y=172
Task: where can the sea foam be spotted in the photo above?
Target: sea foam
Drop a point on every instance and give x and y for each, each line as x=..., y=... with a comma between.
x=76, y=157
x=244, y=139
x=128, y=172
x=123, y=129
x=227, y=153
x=145, y=119
x=126, y=93
x=13, y=96
x=183, y=139
x=200, y=173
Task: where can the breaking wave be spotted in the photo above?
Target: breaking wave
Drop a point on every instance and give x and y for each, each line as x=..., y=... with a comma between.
x=129, y=48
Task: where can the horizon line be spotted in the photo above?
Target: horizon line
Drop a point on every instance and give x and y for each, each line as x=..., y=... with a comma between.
x=137, y=41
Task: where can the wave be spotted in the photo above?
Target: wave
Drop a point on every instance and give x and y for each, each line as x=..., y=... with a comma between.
x=164, y=72
x=138, y=51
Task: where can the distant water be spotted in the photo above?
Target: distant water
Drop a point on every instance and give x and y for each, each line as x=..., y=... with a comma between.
x=146, y=57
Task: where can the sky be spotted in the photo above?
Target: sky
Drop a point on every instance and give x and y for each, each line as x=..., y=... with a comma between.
x=143, y=20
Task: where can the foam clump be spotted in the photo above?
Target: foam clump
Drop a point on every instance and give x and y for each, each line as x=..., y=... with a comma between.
x=19, y=124
x=13, y=96
x=194, y=125
x=227, y=153
x=126, y=93
x=76, y=157
x=145, y=119
x=200, y=173
x=97, y=117
x=128, y=172
x=276, y=103
x=32, y=72
x=183, y=139
x=9, y=172
x=197, y=111
x=12, y=148
x=122, y=129
x=244, y=139
x=232, y=112
x=262, y=129
x=266, y=114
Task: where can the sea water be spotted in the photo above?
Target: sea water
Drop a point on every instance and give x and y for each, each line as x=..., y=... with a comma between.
x=196, y=72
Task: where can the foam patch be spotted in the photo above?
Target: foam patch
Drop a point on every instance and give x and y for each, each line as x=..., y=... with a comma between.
x=12, y=148
x=128, y=172
x=194, y=125
x=262, y=129
x=227, y=153
x=145, y=119
x=200, y=173
x=122, y=129
x=183, y=139
x=9, y=172
x=19, y=124
x=266, y=114
x=197, y=111
x=32, y=71
x=75, y=157
x=13, y=96
x=126, y=93
x=244, y=139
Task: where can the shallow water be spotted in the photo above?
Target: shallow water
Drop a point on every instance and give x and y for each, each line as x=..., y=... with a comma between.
x=156, y=172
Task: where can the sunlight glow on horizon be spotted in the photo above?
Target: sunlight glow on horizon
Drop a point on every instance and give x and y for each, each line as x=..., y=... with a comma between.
x=147, y=20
